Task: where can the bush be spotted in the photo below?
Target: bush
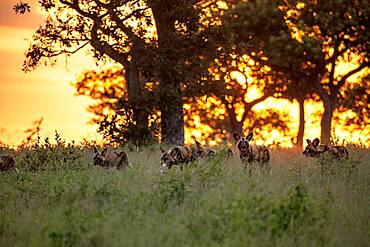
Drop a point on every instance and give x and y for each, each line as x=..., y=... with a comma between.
x=258, y=216
x=42, y=156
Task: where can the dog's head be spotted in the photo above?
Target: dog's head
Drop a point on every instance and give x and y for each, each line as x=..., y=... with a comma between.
x=311, y=148
x=121, y=156
x=99, y=157
x=242, y=142
x=168, y=158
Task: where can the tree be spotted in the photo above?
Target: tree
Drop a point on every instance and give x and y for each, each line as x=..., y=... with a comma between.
x=113, y=111
x=304, y=43
x=107, y=29
x=230, y=108
x=269, y=43
x=333, y=32
x=153, y=40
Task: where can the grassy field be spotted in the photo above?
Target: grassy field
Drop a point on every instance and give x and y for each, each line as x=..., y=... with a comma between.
x=59, y=199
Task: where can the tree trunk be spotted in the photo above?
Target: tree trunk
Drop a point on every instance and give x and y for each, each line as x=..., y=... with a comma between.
x=235, y=125
x=326, y=120
x=301, y=122
x=135, y=96
x=172, y=117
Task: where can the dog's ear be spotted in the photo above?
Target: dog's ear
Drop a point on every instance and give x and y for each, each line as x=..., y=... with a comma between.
x=199, y=146
x=236, y=136
x=104, y=151
x=162, y=150
x=249, y=136
x=308, y=141
x=316, y=142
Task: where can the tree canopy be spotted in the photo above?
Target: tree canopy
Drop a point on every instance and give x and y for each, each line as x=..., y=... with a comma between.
x=171, y=55
x=303, y=43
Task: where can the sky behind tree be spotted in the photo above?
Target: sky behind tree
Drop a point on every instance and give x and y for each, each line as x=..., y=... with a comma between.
x=44, y=93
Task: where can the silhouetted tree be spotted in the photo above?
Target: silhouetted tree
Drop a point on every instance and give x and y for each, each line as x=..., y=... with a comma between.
x=333, y=32
x=304, y=42
x=266, y=41
x=153, y=40
x=113, y=111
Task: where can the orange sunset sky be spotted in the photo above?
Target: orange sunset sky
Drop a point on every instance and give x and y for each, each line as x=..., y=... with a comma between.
x=45, y=92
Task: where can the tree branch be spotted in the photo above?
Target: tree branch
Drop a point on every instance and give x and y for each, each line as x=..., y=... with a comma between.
x=250, y=105
x=98, y=44
x=76, y=7
x=105, y=48
x=349, y=74
x=332, y=69
x=123, y=27
x=69, y=52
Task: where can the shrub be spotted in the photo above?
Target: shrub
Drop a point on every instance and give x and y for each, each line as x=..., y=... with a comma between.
x=258, y=216
x=41, y=156
x=170, y=191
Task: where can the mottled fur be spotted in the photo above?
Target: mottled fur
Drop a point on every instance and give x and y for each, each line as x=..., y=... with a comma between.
x=116, y=159
x=177, y=155
x=251, y=153
x=7, y=163
x=203, y=152
x=228, y=153
x=315, y=149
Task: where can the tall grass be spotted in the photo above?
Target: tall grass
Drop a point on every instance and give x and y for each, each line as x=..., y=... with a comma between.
x=59, y=199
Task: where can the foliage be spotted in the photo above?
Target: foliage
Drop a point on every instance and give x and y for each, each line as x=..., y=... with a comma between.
x=338, y=29
x=330, y=166
x=140, y=36
x=32, y=133
x=355, y=99
x=42, y=156
x=21, y=8
x=118, y=129
x=255, y=214
x=210, y=203
x=114, y=112
x=174, y=54
x=304, y=43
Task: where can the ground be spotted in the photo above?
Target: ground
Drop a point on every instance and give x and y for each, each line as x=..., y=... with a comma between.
x=59, y=199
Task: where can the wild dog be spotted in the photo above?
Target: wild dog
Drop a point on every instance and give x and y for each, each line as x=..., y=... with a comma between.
x=208, y=153
x=251, y=153
x=7, y=163
x=177, y=155
x=116, y=159
x=203, y=152
x=315, y=149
